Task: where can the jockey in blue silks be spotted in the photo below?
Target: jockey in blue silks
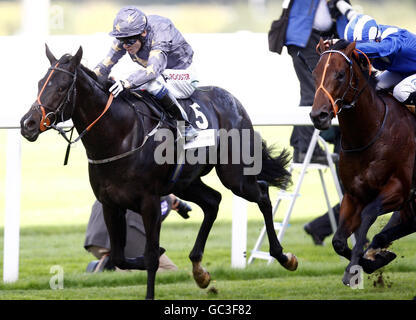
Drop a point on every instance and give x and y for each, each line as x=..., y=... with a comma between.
x=392, y=50
x=163, y=54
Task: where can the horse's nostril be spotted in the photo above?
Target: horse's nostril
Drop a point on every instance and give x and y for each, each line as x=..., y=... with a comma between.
x=31, y=124
x=323, y=116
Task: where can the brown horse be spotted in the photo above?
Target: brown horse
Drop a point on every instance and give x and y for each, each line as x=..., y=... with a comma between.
x=377, y=158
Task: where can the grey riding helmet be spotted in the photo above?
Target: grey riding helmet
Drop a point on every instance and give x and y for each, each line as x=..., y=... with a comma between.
x=129, y=22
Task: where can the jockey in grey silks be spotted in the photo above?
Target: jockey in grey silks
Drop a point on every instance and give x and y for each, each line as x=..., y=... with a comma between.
x=155, y=44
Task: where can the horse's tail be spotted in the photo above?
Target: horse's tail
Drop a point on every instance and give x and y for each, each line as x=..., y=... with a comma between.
x=274, y=167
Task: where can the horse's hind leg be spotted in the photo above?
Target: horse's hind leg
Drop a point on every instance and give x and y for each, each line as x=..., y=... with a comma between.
x=247, y=187
x=208, y=199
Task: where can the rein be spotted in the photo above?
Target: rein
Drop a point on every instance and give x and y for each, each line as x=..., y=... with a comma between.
x=46, y=123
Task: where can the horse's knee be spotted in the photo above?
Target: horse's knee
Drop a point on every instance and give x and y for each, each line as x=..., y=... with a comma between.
x=151, y=259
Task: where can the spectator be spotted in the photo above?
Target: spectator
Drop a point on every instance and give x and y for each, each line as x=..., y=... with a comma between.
x=309, y=20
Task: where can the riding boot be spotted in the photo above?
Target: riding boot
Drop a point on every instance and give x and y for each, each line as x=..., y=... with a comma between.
x=173, y=107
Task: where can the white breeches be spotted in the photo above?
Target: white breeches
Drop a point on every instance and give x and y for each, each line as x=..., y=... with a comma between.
x=180, y=83
x=403, y=86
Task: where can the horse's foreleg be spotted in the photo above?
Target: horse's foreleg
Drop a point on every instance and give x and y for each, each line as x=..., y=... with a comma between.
x=368, y=217
x=376, y=256
x=151, y=214
x=208, y=199
x=115, y=221
x=383, y=238
x=348, y=222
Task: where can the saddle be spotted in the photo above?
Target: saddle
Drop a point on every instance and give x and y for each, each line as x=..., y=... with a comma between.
x=157, y=111
x=410, y=107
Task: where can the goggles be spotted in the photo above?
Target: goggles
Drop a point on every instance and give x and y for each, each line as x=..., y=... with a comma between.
x=128, y=41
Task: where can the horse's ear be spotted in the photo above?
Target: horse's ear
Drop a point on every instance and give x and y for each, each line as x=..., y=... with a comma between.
x=49, y=55
x=350, y=49
x=78, y=56
x=321, y=46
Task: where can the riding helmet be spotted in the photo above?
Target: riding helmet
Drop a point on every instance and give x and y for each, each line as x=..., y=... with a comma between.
x=129, y=22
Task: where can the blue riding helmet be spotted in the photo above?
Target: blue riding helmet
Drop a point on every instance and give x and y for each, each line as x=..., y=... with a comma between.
x=362, y=28
x=129, y=22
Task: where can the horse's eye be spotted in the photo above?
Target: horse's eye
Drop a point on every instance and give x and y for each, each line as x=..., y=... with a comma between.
x=60, y=89
x=340, y=76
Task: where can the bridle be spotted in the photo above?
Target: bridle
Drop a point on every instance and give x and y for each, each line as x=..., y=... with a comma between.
x=357, y=94
x=356, y=90
x=46, y=123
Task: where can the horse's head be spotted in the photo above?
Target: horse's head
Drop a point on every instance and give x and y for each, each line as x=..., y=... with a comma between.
x=336, y=85
x=55, y=100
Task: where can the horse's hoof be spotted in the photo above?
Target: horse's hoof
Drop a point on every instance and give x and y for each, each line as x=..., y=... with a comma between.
x=346, y=279
x=373, y=262
x=201, y=276
x=202, y=279
x=292, y=262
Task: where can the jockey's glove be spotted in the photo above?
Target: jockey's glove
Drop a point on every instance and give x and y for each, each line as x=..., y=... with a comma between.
x=117, y=87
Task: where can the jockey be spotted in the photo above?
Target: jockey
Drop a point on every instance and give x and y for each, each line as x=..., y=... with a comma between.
x=154, y=43
x=392, y=50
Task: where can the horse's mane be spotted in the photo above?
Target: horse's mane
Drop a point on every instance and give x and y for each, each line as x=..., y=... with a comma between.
x=103, y=83
x=361, y=61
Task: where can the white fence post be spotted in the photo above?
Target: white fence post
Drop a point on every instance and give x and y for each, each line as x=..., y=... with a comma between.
x=12, y=207
x=239, y=233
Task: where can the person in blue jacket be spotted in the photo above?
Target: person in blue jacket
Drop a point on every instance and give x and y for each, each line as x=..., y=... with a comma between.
x=391, y=49
x=309, y=20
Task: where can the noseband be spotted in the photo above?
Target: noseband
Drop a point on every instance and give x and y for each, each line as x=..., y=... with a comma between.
x=356, y=91
x=46, y=122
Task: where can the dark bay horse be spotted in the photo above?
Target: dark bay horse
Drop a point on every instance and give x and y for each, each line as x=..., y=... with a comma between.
x=122, y=168
x=377, y=160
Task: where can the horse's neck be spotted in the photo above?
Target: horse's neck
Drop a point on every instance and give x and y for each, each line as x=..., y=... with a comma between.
x=361, y=123
x=115, y=132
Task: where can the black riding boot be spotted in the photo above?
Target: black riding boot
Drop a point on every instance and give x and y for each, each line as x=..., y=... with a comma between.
x=172, y=106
